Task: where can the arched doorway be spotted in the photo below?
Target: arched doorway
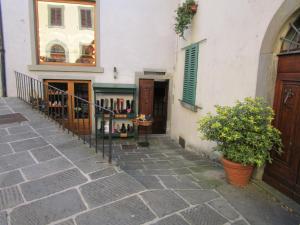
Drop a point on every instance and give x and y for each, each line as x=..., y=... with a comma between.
x=284, y=172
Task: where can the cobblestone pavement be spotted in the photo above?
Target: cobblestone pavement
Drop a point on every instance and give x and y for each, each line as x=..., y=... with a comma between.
x=49, y=177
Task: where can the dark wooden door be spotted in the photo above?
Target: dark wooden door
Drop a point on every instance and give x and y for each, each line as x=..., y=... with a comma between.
x=160, y=107
x=146, y=94
x=284, y=172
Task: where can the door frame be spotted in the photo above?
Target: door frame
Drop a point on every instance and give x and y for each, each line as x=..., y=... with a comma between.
x=155, y=77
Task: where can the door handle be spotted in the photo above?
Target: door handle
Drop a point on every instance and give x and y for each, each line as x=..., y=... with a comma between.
x=288, y=94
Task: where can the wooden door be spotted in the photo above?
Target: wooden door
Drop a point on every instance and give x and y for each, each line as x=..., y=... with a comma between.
x=73, y=110
x=284, y=172
x=80, y=107
x=146, y=92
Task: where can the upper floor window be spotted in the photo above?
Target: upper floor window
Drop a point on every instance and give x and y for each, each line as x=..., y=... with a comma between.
x=57, y=22
x=86, y=20
x=55, y=16
x=190, y=74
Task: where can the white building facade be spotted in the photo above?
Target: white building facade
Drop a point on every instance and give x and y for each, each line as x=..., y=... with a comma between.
x=239, y=42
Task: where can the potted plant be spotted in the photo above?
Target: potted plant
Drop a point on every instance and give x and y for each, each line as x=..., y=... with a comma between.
x=185, y=14
x=244, y=135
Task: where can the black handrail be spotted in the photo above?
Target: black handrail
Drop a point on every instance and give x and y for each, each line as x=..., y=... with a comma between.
x=71, y=112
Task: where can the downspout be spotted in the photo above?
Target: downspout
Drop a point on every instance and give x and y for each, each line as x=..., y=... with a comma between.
x=2, y=57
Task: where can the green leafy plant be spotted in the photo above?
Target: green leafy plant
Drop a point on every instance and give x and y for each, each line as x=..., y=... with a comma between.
x=185, y=14
x=244, y=132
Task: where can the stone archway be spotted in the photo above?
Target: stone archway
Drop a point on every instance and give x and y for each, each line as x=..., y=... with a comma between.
x=278, y=27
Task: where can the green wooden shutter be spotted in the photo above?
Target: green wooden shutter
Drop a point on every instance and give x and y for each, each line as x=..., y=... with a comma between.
x=190, y=74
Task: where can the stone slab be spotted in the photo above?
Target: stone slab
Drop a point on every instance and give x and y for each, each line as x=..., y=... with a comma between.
x=5, y=149
x=3, y=132
x=10, y=197
x=92, y=164
x=172, y=220
x=16, y=137
x=20, y=129
x=240, y=222
x=203, y=215
x=10, y=178
x=3, y=218
x=195, y=197
x=47, y=210
x=102, y=173
x=15, y=161
x=77, y=153
x=130, y=211
x=158, y=172
x=224, y=208
x=45, y=153
x=50, y=131
x=179, y=182
x=46, y=168
x=28, y=144
x=67, y=222
x=110, y=189
x=150, y=182
x=164, y=202
x=52, y=184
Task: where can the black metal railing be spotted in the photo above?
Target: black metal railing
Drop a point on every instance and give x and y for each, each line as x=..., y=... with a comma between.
x=73, y=113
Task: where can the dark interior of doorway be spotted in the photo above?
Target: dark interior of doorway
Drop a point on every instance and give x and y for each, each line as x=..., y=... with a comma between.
x=160, y=107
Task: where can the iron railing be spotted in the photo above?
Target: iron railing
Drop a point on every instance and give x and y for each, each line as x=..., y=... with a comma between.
x=72, y=112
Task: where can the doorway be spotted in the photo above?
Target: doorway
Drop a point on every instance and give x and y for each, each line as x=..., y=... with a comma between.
x=284, y=172
x=153, y=100
x=73, y=112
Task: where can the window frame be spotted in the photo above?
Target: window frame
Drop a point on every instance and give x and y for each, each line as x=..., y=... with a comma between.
x=190, y=103
x=62, y=8
x=37, y=38
x=80, y=18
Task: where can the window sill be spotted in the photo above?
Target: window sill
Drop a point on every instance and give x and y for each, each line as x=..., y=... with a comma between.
x=188, y=106
x=51, y=68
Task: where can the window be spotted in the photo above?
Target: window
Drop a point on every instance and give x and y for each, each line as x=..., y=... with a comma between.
x=291, y=42
x=59, y=32
x=56, y=16
x=86, y=18
x=190, y=74
x=57, y=53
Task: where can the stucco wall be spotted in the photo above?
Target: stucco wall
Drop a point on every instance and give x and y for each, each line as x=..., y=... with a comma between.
x=228, y=59
x=134, y=34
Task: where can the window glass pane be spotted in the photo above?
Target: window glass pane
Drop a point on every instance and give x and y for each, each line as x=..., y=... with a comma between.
x=291, y=41
x=63, y=29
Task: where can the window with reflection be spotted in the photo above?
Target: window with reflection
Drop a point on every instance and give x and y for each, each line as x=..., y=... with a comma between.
x=66, y=32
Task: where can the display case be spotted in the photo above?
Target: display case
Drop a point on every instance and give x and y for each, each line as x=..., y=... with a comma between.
x=121, y=99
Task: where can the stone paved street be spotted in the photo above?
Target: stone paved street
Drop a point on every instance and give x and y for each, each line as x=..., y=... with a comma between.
x=50, y=177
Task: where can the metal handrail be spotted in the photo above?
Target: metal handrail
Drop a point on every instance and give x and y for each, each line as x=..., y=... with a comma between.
x=34, y=92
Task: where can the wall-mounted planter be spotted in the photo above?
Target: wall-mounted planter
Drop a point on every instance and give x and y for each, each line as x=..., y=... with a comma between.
x=194, y=8
x=185, y=14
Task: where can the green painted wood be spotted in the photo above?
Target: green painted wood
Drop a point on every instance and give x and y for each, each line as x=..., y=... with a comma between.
x=114, y=88
x=190, y=74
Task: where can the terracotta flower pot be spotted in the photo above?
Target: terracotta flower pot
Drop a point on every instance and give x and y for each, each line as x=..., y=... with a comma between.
x=237, y=174
x=194, y=8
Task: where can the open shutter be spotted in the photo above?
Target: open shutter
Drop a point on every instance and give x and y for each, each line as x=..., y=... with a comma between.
x=190, y=74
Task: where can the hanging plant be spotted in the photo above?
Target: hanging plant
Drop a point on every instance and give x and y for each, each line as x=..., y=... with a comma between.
x=185, y=14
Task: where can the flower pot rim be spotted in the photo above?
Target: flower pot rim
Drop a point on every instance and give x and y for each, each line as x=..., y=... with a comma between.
x=235, y=163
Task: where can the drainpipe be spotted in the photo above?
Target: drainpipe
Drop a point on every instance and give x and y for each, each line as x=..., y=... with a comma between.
x=2, y=57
